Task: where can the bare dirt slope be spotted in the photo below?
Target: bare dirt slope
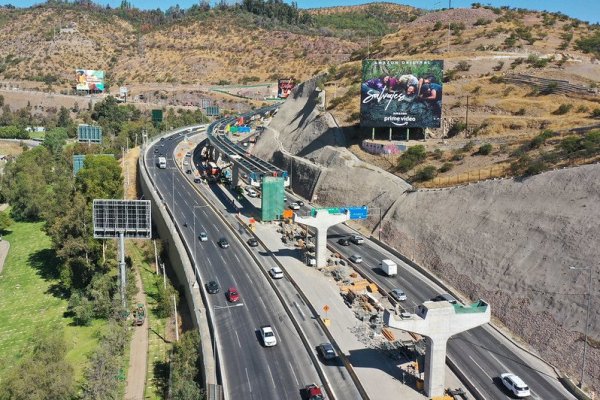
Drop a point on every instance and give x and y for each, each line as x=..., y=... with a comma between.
x=508, y=241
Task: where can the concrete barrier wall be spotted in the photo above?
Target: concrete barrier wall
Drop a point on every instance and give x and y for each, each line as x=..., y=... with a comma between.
x=179, y=259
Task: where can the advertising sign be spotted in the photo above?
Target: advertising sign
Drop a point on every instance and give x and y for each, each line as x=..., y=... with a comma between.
x=401, y=93
x=284, y=87
x=90, y=80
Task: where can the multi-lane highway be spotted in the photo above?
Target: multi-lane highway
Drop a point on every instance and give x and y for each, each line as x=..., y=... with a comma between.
x=480, y=353
x=249, y=370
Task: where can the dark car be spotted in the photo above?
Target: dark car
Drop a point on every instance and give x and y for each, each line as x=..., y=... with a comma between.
x=344, y=242
x=252, y=242
x=326, y=351
x=223, y=243
x=155, y=151
x=445, y=297
x=300, y=203
x=197, y=180
x=212, y=287
x=188, y=171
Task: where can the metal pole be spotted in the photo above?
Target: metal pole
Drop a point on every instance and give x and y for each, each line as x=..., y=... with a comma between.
x=380, y=224
x=176, y=323
x=449, y=7
x=122, y=267
x=164, y=276
x=155, y=256
x=587, y=323
x=467, y=116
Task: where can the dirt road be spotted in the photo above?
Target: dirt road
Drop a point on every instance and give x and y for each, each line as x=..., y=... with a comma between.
x=138, y=354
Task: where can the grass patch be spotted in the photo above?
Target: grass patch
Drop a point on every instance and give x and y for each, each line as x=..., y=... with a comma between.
x=30, y=301
x=158, y=347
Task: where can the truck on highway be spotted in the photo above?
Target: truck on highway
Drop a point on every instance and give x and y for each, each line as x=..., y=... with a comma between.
x=389, y=267
x=162, y=162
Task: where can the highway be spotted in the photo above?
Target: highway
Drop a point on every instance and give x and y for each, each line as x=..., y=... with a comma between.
x=480, y=353
x=249, y=370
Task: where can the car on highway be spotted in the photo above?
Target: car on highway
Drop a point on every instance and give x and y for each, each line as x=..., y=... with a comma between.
x=445, y=297
x=155, y=150
x=197, y=179
x=268, y=336
x=313, y=392
x=232, y=295
x=251, y=192
x=188, y=171
x=252, y=242
x=294, y=206
x=355, y=258
x=186, y=162
x=398, y=294
x=515, y=384
x=212, y=287
x=326, y=351
x=357, y=239
x=276, y=273
x=300, y=203
x=343, y=242
x=223, y=243
x=202, y=237
x=188, y=154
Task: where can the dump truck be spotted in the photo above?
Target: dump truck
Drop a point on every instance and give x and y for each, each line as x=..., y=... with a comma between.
x=389, y=267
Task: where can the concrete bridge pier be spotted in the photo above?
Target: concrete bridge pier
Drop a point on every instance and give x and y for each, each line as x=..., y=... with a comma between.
x=322, y=221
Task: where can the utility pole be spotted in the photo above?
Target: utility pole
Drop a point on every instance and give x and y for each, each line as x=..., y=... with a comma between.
x=467, y=116
x=176, y=323
x=449, y=8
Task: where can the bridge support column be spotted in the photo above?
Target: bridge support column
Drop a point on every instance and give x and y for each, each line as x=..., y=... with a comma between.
x=322, y=221
x=235, y=175
x=438, y=321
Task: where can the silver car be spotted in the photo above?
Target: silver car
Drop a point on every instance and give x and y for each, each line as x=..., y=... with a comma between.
x=355, y=258
x=398, y=294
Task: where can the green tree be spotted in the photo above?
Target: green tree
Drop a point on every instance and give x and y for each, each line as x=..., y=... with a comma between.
x=64, y=117
x=5, y=221
x=185, y=369
x=42, y=375
x=82, y=309
x=55, y=139
x=100, y=178
x=26, y=183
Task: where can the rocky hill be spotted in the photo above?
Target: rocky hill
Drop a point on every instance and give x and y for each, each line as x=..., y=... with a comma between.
x=510, y=241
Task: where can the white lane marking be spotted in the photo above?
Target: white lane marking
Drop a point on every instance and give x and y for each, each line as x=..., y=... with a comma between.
x=237, y=259
x=263, y=303
x=294, y=373
x=210, y=262
x=248, y=379
x=535, y=396
x=270, y=373
x=215, y=226
x=486, y=374
x=238, y=339
x=299, y=310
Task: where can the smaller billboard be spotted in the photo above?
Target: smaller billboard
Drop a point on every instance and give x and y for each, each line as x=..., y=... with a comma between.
x=89, y=133
x=284, y=87
x=157, y=116
x=90, y=80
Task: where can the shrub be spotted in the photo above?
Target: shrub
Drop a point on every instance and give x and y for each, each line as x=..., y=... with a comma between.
x=582, y=109
x=521, y=111
x=468, y=146
x=539, y=140
x=596, y=113
x=463, y=66
x=563, y=109
x=485, y=149
x=426, y=173
x=437, y=26
x=411, y=157
x=499, y=66
x=447, y=166
x=570, y=145
x=437, y=154
x=456, y=128
x=457, y=156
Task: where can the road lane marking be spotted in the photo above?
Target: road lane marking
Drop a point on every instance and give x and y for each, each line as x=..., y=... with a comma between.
x=238, y=339
x=486, y=374
x=270, y=373
x=300, y=311
x=263, y=303
x=294, y=373
x=236, y=257
x=248, y=379
x=208, y=259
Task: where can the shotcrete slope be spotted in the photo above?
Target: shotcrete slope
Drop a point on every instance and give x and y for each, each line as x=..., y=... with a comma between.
x=508, y=241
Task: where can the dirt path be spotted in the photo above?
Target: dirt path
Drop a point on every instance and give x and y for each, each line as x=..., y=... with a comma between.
x=138, y=354
x=4, y=246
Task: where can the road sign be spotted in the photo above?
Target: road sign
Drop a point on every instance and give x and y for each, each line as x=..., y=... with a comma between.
x=157, y=116
x=326, y=308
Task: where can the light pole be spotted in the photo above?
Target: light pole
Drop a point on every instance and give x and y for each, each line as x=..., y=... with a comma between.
x=587, y=319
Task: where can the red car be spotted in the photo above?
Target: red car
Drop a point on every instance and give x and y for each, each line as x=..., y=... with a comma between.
x=233, y=295
x=313, y=392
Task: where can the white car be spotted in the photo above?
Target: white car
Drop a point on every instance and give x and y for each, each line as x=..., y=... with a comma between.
x=295, y=206
x=356, y=239
x=251, y=192
x=515, y=385
x=268, y=336
x=276, y=273
x=186, y=162
x=398, y=294
x=355, y=258
x=202, y=237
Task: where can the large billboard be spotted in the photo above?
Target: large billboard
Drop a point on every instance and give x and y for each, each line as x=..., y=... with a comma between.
x=90, y=80
x=284, y=87
x=401, y=93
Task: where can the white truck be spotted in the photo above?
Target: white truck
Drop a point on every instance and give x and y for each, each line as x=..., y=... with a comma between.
x=389, y=267
x=162, y=162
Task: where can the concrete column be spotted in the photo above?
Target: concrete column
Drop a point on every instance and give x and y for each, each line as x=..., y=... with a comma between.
x=372, y=133
x=122, y=272
x=235, y=175
x=390, y=133
x=435, y=364
x=322, y=221
x=438, y=321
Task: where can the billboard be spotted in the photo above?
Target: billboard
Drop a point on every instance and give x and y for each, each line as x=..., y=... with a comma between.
x=90, y=80
x=284, y=87
x=89, y=133
x=401, y=93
